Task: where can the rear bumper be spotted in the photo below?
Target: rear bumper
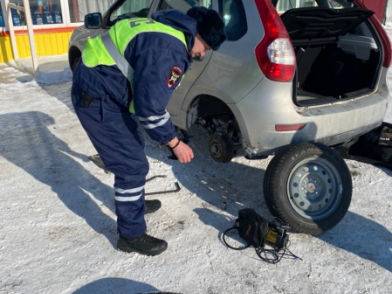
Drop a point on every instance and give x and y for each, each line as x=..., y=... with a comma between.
x=270, y=104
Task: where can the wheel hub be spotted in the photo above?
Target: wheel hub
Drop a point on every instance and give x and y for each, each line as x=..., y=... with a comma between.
x=220, y=148
x=216, y=149
x=312, y=187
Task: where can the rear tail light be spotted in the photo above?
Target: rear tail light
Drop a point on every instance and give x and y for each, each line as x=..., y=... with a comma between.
x=386, y=44
x=275, y=53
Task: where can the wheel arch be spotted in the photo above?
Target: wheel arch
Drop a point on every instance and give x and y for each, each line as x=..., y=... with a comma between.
x=205, y=104
x=217, y=117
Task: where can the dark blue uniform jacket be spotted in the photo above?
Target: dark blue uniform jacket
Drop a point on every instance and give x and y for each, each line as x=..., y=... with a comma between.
x=156, y=58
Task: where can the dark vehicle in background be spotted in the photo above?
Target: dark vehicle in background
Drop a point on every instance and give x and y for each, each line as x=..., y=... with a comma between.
x=294, y=78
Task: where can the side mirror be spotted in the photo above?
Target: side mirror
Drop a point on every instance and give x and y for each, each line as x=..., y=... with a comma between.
x=93, y=20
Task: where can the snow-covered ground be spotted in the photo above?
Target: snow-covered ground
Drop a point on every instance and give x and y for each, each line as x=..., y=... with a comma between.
x=58, y=229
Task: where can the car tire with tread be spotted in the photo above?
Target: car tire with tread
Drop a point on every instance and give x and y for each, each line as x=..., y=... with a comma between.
x=309, y=187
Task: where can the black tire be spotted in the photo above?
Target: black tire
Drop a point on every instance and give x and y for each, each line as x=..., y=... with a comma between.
x=220, y=148
x=309, y=187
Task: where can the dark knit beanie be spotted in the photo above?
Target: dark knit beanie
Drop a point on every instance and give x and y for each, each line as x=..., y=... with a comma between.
x=209, y=25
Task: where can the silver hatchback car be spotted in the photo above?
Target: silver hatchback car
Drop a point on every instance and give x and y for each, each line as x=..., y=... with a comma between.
x=294, y=77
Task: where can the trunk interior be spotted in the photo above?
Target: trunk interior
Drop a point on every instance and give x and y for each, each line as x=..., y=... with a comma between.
x=337, y=54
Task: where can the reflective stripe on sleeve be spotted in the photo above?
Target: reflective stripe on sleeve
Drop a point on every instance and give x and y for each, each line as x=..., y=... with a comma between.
x=153, y=118
x=163, y=119
x=153, y=126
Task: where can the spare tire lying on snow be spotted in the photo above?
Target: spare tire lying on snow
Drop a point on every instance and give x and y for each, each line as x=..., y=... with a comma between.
x=309, y=187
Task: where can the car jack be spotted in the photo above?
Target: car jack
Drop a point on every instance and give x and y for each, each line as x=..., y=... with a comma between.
x=175, y=190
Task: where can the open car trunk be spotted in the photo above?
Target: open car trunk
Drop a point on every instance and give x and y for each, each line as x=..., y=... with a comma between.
x=337, y=54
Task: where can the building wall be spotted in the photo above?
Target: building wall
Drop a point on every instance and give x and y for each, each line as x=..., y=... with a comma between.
x=47, y=41
x=51, y=37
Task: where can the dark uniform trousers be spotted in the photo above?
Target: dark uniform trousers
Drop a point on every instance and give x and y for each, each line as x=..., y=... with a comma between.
x=115, y=135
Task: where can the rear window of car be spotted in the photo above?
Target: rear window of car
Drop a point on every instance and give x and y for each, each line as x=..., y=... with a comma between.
x=284, y=5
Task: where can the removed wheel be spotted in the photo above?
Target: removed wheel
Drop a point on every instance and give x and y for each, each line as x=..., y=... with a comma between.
x=308, y=186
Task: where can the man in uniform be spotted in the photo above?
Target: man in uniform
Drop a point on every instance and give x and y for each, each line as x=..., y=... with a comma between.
x=128, y=73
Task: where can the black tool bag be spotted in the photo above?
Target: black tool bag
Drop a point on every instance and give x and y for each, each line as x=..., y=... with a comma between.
x=259, y=233
x=251, y=227
x=385, y=138
x=374, y=147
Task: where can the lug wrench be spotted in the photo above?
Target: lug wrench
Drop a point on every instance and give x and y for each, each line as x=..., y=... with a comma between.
x=98, y=161
x=177, y=187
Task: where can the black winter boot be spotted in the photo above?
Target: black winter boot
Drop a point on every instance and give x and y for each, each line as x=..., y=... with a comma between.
x=152, y=206
x=145, y=244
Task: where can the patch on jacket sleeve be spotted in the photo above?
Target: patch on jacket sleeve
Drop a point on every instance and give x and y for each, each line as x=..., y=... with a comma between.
x=174, y=76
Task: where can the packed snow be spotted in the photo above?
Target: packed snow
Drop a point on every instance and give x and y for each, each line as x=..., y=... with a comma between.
x=58, y=227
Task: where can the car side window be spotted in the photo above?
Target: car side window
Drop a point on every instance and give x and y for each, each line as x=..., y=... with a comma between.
x=131, y=8
x=183, y=5
x=233, y=14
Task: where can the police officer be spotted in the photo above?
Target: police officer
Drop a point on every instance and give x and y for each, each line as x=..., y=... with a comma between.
x=130, y=73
